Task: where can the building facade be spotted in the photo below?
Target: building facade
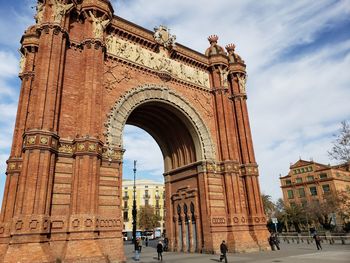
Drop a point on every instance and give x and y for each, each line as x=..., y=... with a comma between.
x=308, y=181
x=147, y=193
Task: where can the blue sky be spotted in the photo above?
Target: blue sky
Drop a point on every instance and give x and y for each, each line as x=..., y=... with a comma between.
x=298, y=63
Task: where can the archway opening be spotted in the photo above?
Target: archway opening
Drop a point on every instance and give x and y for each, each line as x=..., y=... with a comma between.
x=177, y=139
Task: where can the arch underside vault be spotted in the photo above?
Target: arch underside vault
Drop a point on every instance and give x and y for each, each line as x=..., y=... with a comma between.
x=172, y=121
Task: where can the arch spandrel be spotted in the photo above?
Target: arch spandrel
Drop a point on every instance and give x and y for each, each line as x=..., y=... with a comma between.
x=121, y=110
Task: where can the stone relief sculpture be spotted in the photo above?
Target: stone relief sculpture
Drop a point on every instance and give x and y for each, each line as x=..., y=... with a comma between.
x=242, y=79
x=22, y=63
x=98, y=25
x=40, y=8
x=223, y=77
x=59, y=10
x=155, y=61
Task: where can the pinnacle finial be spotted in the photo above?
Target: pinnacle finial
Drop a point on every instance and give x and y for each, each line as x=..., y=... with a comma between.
x=230, y=47
x=213, y=38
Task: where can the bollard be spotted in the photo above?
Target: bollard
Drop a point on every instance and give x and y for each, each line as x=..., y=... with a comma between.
x=308, y=241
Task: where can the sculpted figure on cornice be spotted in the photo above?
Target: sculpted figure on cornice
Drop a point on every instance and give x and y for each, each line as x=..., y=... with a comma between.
x=98, y=25
x=40, y=8
x=242, y=79
x=22, y=63
x=223, y=77
x=157, y=61
x=59, y=10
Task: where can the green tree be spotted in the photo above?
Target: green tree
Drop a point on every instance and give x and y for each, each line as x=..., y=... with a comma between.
x=269, y=206
x=322, y=211
x=341, y=145
x=147, y=219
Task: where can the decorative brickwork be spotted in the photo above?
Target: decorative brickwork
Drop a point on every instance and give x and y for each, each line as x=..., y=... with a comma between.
x=85, y=74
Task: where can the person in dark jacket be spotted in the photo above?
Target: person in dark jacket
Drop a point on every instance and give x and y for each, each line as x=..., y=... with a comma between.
x=317, y=241
x=274, y=242
x=223, y=250
x=160, y=250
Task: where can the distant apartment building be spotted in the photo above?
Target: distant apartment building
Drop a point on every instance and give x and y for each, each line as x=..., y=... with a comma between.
x=147, y=193
x=308, y=181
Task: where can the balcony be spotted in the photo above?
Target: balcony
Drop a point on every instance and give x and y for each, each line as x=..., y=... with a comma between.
x=125, y=197
x=157, y=197
x=146, y=196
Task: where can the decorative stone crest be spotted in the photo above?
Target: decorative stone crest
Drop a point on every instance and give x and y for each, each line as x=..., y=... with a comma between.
x=163, y=37
x=59, y=10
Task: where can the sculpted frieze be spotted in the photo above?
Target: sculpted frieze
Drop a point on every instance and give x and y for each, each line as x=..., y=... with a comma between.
x=156, y=61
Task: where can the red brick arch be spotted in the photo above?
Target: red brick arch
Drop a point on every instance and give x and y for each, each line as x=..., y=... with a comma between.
x=85, y=74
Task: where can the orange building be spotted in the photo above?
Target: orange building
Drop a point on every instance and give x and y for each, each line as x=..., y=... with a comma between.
x=308, y=181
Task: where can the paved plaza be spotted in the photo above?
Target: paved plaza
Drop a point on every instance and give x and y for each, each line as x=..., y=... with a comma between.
x=289, y=253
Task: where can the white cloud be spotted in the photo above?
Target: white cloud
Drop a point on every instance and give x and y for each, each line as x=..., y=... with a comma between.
x=140, y=146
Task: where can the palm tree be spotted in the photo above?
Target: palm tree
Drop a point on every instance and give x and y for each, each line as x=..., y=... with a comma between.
x=269, y=206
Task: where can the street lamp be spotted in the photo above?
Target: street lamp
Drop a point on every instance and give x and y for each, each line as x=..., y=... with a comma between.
x=134, y=211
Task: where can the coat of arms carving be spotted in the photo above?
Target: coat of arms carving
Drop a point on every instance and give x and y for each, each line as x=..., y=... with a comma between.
x=163, y=37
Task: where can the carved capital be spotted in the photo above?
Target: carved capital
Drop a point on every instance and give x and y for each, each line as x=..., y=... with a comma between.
x=40, y=139
x=14, y=165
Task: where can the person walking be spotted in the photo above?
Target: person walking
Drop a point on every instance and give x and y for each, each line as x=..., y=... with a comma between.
x=160, y=250
x=137, y=252
x=275, y=240
x=223, y=250
x=317, y=241
x=140, y=244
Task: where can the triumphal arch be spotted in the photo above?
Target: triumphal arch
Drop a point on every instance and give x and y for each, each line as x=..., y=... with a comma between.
x=85, y=74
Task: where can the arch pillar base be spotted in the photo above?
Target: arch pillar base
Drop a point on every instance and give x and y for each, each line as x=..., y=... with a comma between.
x=28, y=252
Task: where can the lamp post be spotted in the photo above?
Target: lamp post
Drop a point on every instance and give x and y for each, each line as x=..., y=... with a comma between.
x=134, y=211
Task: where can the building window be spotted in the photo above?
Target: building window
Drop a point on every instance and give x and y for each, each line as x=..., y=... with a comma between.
x=299, y=180
x=157, y=212
x=310, y=178
x=301, y=192
x=146, y=186
x=313, y=190
x=157, y=203
x=288, y=182
x=323, y=176
x=125, y=204
x=290, y=194
x=146, y=202
x=126, y=193
x=125, y=188
x=125, y=216
x=326, y=188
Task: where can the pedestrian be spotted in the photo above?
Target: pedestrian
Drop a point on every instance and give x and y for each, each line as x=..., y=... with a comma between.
x=137, y=252
x=317, y=241
x=223, y=250
x=146, y=241
x=140, y=244
x=166, y=242
x=160, y=250
x=275, y=240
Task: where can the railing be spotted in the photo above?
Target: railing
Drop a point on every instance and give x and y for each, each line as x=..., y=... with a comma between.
x=146, y=196
x=309, y=239
x=125, y=197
